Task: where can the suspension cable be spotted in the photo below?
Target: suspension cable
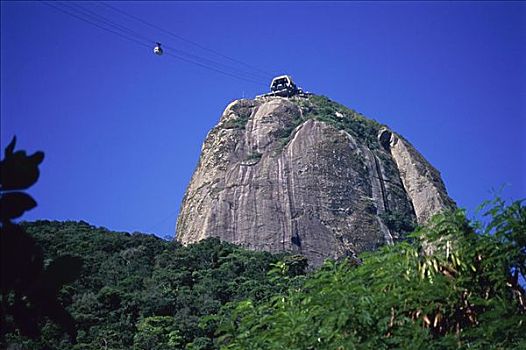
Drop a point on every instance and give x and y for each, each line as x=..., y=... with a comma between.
x=266, y=75
x=215, y=69
x=100, y=18
x=126, y=33
x=93, y=23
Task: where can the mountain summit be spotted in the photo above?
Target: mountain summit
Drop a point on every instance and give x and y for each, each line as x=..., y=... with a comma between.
x=308, y=175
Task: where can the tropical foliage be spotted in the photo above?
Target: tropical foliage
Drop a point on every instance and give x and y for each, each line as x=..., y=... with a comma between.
x=138, y=291
x=29, y=286
x=451, y=286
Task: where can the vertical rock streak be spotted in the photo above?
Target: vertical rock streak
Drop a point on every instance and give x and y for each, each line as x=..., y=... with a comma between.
x=270, y=177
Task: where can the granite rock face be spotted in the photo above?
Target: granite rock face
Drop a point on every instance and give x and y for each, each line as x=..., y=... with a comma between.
x=307, y=175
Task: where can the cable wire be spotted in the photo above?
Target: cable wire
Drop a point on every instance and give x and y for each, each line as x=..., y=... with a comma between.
x=214, y=69
x=267, y=75
x=93, y=23
x=207, y=61
x=251, y=75
x=123, y=30
x=100, y=18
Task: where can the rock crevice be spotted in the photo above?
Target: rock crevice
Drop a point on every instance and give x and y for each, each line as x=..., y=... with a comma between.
x=306, y=175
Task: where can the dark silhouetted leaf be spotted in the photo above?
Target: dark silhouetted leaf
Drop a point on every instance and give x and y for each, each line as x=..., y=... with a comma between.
x=10, y=148
x=25, y=319
x=57, y=313
x=19, y=171
x=14, y=204
x=29, y=293
x=21, y=260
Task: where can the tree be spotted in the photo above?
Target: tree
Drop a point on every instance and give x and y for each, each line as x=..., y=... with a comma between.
x=452, y=285
x=157, y=333
x=29, y=290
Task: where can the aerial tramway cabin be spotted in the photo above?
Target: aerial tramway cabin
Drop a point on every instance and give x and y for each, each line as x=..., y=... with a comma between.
x=283, y=86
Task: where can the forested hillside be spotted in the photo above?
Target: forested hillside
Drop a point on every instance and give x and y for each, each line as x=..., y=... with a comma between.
x=138, y=291
x=453, y=284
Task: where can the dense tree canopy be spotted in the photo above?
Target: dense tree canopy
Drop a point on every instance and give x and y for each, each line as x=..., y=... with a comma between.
x=138, y=291
x=451, y=285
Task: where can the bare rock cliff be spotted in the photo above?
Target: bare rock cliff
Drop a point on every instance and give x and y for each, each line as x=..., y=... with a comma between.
x=307, y=175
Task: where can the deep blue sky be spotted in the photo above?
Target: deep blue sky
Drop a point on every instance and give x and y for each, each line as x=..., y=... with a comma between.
x=122, y=128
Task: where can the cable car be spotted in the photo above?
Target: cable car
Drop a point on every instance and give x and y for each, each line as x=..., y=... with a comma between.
x=157, y=49
x=283, y=86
